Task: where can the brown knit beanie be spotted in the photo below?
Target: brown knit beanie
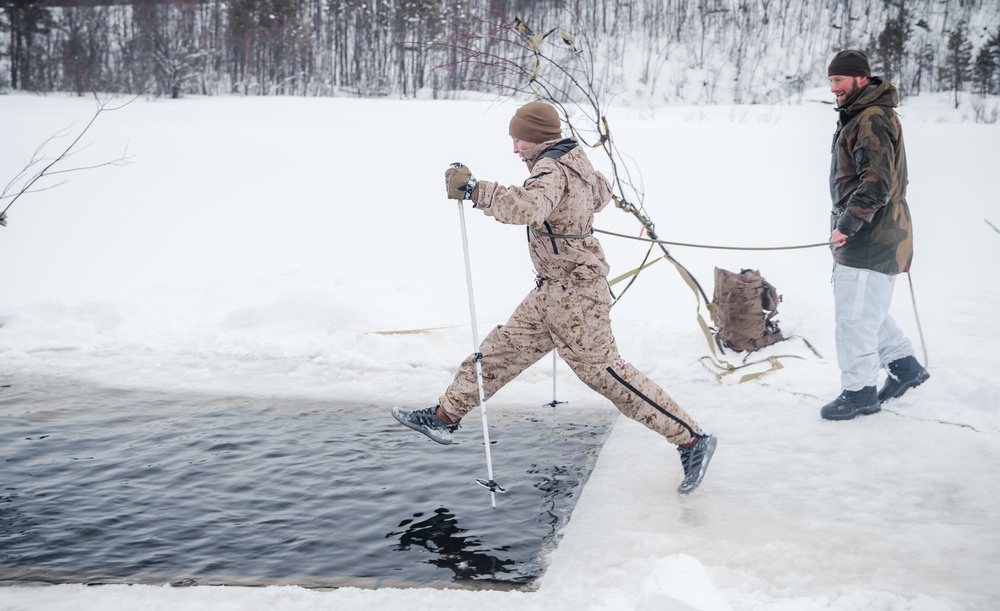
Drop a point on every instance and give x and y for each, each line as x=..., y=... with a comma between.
x=536, y=122
x=849, y=63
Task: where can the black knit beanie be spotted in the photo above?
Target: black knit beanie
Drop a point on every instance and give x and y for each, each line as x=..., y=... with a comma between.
x=849, y=63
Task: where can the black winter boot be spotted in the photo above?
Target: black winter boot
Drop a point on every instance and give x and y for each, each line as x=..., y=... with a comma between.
x=904, y=374
x=850, y=403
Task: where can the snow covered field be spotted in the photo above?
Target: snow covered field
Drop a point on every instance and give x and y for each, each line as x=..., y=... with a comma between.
x=260, y=244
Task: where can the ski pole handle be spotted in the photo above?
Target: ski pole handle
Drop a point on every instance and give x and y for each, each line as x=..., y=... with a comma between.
x=470, y=184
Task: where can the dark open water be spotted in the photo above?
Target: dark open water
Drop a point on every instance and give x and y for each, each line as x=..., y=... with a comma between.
x=102, y=485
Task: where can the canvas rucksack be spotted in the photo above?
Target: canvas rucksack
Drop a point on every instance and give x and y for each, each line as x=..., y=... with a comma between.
x=744, y=306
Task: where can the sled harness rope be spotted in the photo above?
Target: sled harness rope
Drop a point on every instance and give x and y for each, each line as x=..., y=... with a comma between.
x=724, y=367
x=642, y=239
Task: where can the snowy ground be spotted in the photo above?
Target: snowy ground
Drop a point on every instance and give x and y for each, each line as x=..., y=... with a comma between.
x=262, y=244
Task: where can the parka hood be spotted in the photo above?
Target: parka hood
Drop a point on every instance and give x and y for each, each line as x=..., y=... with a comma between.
x=877, y=92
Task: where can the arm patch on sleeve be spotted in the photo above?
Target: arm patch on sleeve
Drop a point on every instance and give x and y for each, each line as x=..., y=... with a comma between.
x=858, y=156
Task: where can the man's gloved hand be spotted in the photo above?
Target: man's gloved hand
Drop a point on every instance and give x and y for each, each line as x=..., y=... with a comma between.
x=3, y=219
x=460, y=183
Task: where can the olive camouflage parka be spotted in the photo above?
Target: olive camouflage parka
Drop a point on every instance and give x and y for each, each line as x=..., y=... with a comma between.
x=868, y=180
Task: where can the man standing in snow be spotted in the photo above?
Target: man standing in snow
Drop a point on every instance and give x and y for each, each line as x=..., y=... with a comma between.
x=872, y=239
x=569, y=308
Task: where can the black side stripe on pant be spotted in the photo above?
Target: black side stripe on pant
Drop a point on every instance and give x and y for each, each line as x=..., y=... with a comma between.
x=635, y=391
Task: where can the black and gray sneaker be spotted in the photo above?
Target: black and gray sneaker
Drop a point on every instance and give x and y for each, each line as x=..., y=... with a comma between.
x=904, y=374
x=695, y=462
x=426, y=422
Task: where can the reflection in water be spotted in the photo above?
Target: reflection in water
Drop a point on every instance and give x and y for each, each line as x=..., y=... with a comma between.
x=450, y=549
x=560, y=485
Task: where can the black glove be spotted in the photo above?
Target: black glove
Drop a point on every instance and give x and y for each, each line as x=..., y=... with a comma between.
x=460, y=183
x=3, y=219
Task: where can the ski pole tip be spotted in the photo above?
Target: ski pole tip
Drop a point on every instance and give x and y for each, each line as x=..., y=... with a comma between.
x=490, y=485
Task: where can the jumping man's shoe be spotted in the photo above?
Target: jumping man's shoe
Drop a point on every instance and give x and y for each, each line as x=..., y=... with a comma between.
x=695, y=462
x=851, y=403
x=426, y=422
x=904, y=374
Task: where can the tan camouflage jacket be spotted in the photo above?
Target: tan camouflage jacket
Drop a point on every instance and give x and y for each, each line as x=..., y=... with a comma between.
x=868, y=183
x=557, y=203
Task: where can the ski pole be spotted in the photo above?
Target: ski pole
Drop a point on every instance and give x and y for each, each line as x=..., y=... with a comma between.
x=490, y=484
x=555, y=401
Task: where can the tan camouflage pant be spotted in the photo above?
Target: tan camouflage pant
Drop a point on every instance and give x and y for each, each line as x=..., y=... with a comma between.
x=574, y=319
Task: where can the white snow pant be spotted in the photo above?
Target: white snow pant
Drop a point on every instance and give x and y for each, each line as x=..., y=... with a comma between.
x=572, y=317
x=867, y=336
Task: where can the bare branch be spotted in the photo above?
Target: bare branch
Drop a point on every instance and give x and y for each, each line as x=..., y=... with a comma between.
x=36, y=190
x=120, y=161
x=28, y=180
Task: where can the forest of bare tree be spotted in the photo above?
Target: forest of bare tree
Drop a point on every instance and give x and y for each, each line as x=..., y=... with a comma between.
x=704, y=51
